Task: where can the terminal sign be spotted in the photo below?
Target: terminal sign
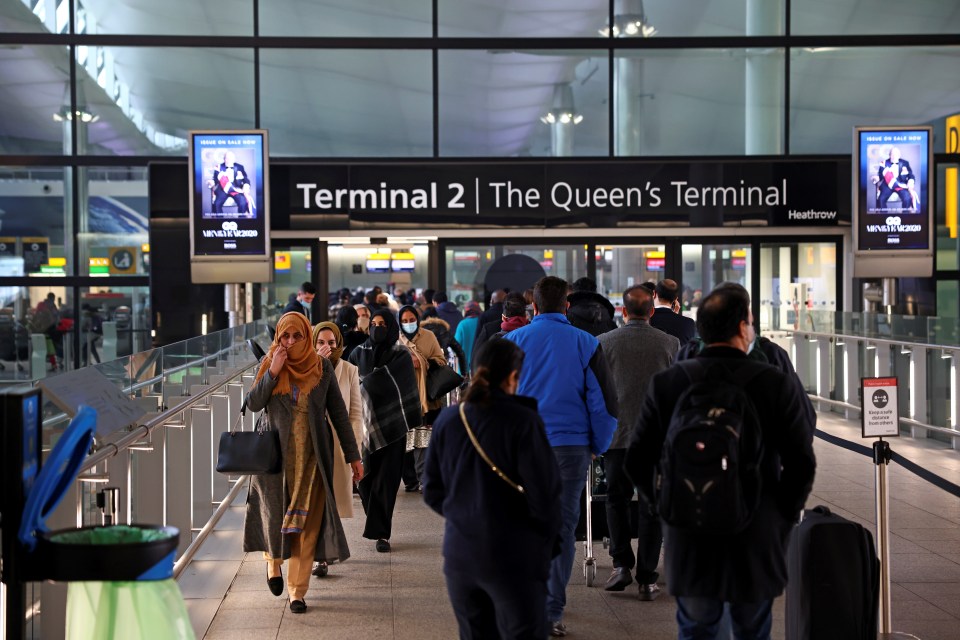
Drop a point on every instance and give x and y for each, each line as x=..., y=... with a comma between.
x=881, y=417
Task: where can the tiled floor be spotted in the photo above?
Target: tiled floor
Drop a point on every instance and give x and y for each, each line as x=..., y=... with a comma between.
x=401, y=595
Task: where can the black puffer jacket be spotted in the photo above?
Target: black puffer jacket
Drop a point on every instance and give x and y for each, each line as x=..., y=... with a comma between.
x=591, y=312
x=441, y=329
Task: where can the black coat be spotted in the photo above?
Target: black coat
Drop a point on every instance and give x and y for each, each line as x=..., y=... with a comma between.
x=680, y=327
x=486, y=332
x=591, y=312
x=294, y=305
x=441, y=329
x=492, y=530
x=749, y=566
x=493, y=312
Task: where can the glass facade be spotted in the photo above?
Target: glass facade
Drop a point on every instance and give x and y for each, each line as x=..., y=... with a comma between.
x=90, y=107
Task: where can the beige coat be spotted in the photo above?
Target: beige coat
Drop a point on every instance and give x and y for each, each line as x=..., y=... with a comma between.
x=349, y=382
x=426, y=349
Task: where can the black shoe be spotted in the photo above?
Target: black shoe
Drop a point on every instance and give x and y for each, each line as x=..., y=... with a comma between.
x=320, y=569
x=383, y=546
x=558, y=629
x=275, y=584
x=298, y=606
x=648, y=592
x=410, y=488
x=618, y=580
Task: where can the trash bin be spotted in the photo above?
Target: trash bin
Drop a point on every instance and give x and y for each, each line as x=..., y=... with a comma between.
x=121, y=577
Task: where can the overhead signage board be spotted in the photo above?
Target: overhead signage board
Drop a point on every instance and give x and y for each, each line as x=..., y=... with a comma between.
x=749, y=192
x=880, y=413
x=892, y=201
x=229, y=205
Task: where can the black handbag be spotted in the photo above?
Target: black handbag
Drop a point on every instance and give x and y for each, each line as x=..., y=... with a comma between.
x=441, y=380
x=249, y=452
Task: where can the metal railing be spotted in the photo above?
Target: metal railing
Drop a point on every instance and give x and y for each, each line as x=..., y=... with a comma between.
x=162, y=467
x=831, y=366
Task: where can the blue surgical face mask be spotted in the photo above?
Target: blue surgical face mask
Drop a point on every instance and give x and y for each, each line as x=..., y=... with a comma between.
x=409, y=328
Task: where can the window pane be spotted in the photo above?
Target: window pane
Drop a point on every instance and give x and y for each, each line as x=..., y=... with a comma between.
x=349, y=268
x=847, y=17
x=707, y=265
x=144, y=100
x=833, y=90
x=347, y=103
x=33, y=94
x=797, y=280
x=948, y=203
x=523, y=18
x=36, y=223
x=114, y=225
x=621, y=267
x=207, y=18
x=346, y=18
x=699, y=102
x=114, y=322
x=501, y=104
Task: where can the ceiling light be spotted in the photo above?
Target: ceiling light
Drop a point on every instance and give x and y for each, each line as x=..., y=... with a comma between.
x=563, y=110
x=82, y=116
x=630, y=25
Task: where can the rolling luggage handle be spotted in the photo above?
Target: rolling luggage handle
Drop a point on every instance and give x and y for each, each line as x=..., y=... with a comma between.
x=589, y=562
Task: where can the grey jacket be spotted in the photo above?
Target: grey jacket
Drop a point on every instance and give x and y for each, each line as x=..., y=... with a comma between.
x=635, y=352
x=268, y=497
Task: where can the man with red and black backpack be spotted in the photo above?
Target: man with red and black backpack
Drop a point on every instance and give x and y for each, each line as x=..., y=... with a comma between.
x=722, y=449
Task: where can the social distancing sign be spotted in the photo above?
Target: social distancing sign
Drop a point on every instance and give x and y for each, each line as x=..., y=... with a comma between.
x=881, y=415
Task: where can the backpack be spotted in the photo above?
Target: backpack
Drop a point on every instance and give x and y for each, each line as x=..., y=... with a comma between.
x=708, y=479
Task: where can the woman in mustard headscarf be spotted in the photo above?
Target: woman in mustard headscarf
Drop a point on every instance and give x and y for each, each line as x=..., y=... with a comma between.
x=328, y=342
x=292, y=515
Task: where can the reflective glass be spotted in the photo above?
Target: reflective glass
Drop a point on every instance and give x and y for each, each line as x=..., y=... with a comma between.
x=115, y=322
x=34, y=100
x=145, y=100
x=798, y=286
x=291, y=269
x=500, y=103
x=832, y=90
x=347, y=18
x=114, y=229
x=621, y=267
x=347, y=103
x=698, y=102
x=947, y=205
x=207, y=18
x=350, y=267
x=522, y=18
x=36, y=220
x=849, y=17
x=707, y=265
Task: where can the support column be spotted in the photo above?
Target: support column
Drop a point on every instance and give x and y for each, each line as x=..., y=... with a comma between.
x=562, y=117
x=918, y=390
x=630, y=21
x=231, y=304
x=763, y=108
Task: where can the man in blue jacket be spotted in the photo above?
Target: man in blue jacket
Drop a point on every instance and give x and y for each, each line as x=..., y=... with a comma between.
x=564, y=369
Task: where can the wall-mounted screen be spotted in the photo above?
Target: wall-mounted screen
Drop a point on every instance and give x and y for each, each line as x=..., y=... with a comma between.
x=378, y=263
x=402, y=261
x=893, y=187
x=229, y=199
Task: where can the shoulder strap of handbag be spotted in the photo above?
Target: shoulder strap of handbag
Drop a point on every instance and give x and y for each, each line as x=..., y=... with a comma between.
x=483, y=454
x=243, y=412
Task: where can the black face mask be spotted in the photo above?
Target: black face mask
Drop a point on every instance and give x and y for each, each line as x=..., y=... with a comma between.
x=378, y=333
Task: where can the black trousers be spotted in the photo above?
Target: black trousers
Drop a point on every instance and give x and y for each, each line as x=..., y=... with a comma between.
x=649, y=535
x=378, y=489
x=221, y=198
x=509, y=608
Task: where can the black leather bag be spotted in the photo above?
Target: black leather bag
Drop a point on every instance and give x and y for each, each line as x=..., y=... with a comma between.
x=441, y=380
x=254, y=452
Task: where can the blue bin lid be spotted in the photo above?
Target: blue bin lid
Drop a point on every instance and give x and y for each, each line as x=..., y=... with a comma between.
x=57, y=475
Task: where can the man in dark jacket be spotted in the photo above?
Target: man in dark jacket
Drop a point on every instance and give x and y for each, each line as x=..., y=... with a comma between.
x=589, y=310
x=303, y=300
x=514, y=314
x=496, y=326
x=666, y=316
x=746, y=569
x=447, y=311
x=635, y=352
x=495, y=309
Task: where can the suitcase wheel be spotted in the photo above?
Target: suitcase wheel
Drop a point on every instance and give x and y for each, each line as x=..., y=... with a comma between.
x=589, y=571
x=606, y=542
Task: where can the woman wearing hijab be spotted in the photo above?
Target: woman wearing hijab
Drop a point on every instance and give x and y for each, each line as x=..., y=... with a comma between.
x=391, y=407
x=292, y=515
x=427, y=353
x=328, y=343
x=346, y=321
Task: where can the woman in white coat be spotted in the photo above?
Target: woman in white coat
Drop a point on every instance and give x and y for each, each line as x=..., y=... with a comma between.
x=328, y=341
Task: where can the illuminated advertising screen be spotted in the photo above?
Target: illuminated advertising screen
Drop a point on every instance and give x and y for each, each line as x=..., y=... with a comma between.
x=893, y=188
x=229, y=195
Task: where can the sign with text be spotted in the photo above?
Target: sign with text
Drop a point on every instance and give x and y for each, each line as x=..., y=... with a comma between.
x=750, y=192
x=881, y=415
x=893, y=189
x=229, y=213
x=36, y=253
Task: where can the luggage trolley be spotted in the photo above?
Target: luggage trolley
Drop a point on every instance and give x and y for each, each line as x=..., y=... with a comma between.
x=595, y=489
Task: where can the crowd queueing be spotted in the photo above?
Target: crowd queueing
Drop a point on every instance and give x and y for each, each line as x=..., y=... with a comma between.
x=554, y=377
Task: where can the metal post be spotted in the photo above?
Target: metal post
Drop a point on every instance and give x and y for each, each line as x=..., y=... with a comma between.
x=881, y=458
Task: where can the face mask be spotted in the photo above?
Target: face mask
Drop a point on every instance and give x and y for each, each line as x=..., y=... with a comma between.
x=750, y=348
x=378, y=333
x=363, y=323
x=409, y=328
x=306, y=305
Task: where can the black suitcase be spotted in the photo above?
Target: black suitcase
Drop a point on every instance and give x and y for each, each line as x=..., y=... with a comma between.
x=833, y=586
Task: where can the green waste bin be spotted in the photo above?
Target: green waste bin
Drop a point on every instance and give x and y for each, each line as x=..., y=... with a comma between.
x=120, y=577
